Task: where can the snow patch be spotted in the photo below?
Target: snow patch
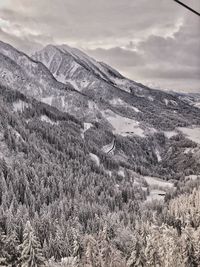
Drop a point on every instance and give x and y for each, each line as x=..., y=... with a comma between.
x=109, y=148
x=173, y=102
x=189, y=150
x=116, y=101
x=170, y=134
x=74, y=84
x=48, y=120
x=20, y=106
x=151, y=98
x=191, y=133
x=154, y=181
x=86, y=126
x=47, y=100
x=156, y=195
x=60, y=77
x=166, y=101
x=122, y=125
x=92, y=105
x=158, y=155
x=197, y=105
x=119, y=102
x=84, y=84
x=109, y=173
x=74, y=68
x=124, y=84
x=136, y=109
x=95, y=158
x=121, y=172
x=192, y=177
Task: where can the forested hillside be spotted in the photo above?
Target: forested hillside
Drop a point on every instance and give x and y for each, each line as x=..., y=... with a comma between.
x=96, y=170
x=56, y=203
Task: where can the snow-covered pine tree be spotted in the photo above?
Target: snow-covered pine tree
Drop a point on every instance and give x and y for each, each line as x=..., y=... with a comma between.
x=12, y=248
x=137, y=258
x=31, y=249
x=188, y=248
x=3, y=254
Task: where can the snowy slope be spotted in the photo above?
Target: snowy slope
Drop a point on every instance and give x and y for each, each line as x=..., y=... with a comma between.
x=136, y=123
x=20, y=72
x=108, y=88
x=72, y=65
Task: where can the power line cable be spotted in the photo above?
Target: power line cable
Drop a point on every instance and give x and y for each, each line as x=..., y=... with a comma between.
x=189, y=8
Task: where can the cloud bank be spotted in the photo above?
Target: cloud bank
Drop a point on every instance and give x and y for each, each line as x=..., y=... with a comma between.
x=156, y=42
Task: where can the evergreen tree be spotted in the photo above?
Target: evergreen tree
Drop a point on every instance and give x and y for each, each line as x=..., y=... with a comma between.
x=3, y=253
x=31, y=250
x=12, y=249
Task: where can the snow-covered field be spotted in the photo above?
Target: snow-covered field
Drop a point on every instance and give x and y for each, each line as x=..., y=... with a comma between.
x=154, y=181
x=170, y=134
x=156, y=195
x=122, y=125
x=191, y=133
x=157, y=188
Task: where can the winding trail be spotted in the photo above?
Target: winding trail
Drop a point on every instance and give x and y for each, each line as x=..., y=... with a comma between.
x=110, y=147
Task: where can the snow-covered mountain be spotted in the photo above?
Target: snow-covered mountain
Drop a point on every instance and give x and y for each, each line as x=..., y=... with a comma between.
x=72, y=65
x=129, y=121
x=20, y=72
x=114, y=94
x=91, y=161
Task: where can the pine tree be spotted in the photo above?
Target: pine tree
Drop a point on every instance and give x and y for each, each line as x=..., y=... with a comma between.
x=3, y=253
x=12, y=249
x=31, y=250
x=137, y=258
x=188, y=247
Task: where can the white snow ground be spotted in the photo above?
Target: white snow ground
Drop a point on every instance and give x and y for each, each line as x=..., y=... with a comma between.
x=154, y=181
x=95, y=158
x=122, y=125
x=48, y=120
x=86, y=126
x=156, y=195
x=107, y=148
x=20, y=105
x=191, y=133
x=120, y=102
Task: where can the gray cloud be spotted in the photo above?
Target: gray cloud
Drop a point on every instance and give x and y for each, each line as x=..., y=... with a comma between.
x=118, y=56
x=161, y=59
x=153, y=40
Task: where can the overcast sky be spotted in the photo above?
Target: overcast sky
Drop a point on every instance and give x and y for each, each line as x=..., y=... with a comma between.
x=156, y=42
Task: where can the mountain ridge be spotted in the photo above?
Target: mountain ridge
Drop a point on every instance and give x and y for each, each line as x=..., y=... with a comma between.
x=146, y=120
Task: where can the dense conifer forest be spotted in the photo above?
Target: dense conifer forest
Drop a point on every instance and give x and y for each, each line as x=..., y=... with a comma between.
x=59, y=208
